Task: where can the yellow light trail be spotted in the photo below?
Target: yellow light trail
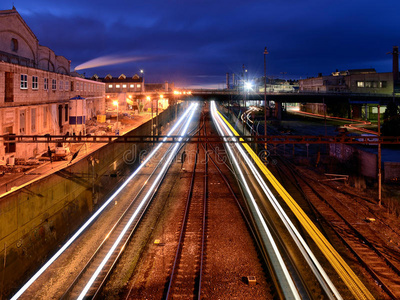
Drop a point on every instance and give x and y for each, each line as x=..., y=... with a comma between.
x=356, y=287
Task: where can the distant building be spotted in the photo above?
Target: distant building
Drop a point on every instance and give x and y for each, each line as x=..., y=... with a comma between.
x=350, y=81
x=131, y=92
x=35, y=89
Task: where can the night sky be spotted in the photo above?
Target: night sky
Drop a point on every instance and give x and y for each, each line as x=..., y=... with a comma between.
x=196, y=42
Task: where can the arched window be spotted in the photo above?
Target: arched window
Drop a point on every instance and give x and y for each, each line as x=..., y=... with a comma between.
x=14, y=45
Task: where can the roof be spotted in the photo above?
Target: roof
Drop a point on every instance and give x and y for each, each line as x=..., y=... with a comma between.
x=14, y=11
x=122, y=78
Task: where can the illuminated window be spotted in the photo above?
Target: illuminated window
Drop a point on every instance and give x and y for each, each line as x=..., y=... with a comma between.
x=24, y=82
x=138, y=86
x=124, y=86
x=110, y=86
x=35, y=83
x=132, y=86
x=45, y=84
x=368, y=84
x=53, y=84
x=360, y=83
x=117, y=86
x=382, y=84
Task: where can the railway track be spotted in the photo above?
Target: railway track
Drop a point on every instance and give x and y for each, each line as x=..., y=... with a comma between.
x=380, y=262
x=186, y=274
x=93, y=276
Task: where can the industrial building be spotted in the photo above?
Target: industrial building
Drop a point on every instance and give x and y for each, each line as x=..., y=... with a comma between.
x=132, y=93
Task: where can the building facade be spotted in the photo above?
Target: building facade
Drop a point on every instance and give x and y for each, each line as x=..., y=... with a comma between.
x=350, y=81
x=35, y=89
x=132, y=93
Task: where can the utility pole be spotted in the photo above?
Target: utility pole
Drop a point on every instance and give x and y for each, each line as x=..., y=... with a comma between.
x=265, y=96
x=379, y=158
x=244, y=97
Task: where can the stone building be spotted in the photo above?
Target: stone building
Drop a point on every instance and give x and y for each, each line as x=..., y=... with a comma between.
x=35, y=89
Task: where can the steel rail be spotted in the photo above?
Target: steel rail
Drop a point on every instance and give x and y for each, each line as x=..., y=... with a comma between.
x=283, y=281
x=358, y=234
x=169, y=290
x=147, y=198
x=351, y=280
x=182, y=230
x=125, y=215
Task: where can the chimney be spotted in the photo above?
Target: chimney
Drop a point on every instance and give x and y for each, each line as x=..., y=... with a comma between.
x=395, y=64
x=227, y=81
x=166, y=86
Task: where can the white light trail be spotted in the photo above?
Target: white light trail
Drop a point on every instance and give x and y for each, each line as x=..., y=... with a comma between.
x=96, y=214
x=288, y=284
x=306, y=251
x=144, y=201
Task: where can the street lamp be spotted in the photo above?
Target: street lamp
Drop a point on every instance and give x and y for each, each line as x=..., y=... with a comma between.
x=115, y=103
x=151, y=103
x=265, y=95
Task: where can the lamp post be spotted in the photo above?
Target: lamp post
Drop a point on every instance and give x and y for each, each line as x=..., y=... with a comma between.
x=116, y=103
x=151, y=103
x=265, y=96
x=161, y=97
x=142, y=72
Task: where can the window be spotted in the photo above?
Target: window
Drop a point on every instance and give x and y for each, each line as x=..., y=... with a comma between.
x=138, y=86
x=117, y=86
x=61, y=85
x=360, y=83
x=22, y=121
x=14, y=45
x=368, y=84
x=33, y=120
x=46, y=84
x=110, y=86
x=374, y=84
x=10, y=147
x=66, y=85
x=24, y=81
x=53, y=84
x=124, y=86
x=382, y=84
x=35, y=83
x=132, y=86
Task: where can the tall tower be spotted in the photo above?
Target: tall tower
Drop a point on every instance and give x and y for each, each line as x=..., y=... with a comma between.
x=395, y=71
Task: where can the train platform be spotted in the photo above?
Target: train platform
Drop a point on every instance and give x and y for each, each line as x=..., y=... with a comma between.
x=13, y=177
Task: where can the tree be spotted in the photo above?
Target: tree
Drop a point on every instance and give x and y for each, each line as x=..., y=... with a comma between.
x=391, y=123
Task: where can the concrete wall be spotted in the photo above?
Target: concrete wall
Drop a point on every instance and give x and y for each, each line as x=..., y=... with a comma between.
x=37, y=218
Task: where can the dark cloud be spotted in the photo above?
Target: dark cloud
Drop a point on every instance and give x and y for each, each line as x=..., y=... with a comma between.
x=198, y=41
